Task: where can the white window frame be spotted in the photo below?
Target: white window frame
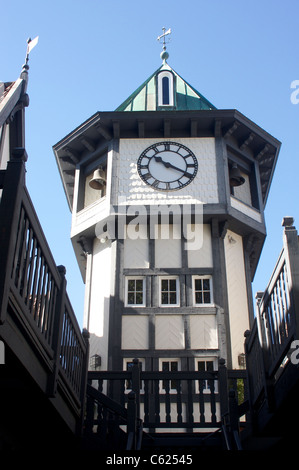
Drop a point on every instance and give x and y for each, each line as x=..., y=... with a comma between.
x=161, y=75
x=136, y=278
x=169, y=360
x=202, y=304
x=206, y=359
x=163, y=278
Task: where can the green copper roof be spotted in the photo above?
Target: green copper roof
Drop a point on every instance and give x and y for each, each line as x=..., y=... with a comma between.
x=185, y=96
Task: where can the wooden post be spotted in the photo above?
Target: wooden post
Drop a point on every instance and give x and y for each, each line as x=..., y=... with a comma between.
x=84, y=373
x=57, y=332
x=136, y=385
x=234, y=421
x=10, y=205
x=233, y=411
x=132, y=421
x=223, y=387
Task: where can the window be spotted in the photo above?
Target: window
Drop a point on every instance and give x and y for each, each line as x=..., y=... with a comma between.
x=165, y=80
x=169, y=365
x=206, y=365
x=135, y=291
x=128, y=364
x=202, y=288
x=169, y=292
x=165, y=91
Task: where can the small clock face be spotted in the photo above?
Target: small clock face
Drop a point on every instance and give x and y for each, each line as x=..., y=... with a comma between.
x=167, y=166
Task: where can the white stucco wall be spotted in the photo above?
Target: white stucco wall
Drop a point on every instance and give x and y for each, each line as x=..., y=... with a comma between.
x=99, y=298
x=237, y=293
x=202, y=257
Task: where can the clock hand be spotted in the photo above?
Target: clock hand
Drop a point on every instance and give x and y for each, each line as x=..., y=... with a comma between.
x=170, y=165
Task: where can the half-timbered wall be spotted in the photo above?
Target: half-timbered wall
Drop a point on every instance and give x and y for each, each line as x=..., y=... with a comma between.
x=180, y=326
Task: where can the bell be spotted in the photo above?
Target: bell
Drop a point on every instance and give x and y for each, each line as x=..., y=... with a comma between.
x=235, y=177
x=98, y=180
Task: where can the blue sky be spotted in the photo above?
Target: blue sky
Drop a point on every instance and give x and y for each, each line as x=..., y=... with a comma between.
x=93, y=54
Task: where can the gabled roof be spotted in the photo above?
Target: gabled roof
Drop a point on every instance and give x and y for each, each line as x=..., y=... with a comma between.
x=186, y=98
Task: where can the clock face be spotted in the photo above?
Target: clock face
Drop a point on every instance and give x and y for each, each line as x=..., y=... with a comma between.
x=167, y=166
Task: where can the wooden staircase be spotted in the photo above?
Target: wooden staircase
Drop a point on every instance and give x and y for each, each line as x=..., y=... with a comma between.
x=150, y=418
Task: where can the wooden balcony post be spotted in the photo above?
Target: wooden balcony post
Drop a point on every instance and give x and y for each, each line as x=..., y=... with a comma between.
x=136, y=385
x=234, y=421
x=14, y=182
x=57, y=332
x=86, y=337
x=132, y=421
x=223, y=387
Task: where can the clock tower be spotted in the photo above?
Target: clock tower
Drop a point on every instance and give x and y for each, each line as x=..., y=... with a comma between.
x=167, y=195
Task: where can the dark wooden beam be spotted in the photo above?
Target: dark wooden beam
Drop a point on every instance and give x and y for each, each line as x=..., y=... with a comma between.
x=247, y=141
x=167, y=128
x=116, y=129
x=217, y=128
x=72, y=155
x=193, y=128
x=140, y=129
x=262, y=152
x=231, y=129
x=88, y=144
x=267, y=162
x=104, y=132
x=69, y=173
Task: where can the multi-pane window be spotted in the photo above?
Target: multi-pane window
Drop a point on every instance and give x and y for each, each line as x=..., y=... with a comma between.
x=169, y=366
x=206, y=365
x=169, y=292
x=202, y=287
x=135, y=292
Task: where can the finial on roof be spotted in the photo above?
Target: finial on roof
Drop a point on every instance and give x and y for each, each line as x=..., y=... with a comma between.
x=164, y=54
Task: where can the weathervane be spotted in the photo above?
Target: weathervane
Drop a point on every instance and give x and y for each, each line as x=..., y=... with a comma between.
x=164, y=55
x=31, y=43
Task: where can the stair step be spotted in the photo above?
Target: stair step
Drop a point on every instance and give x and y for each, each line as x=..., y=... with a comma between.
x=176, y=441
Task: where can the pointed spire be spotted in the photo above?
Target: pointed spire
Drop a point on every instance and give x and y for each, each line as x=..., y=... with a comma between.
x=164, y=54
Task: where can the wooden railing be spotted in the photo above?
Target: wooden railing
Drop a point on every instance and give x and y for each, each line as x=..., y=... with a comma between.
x=276, y=326
x=167, y=401
x=33, y=297
x=277, y=319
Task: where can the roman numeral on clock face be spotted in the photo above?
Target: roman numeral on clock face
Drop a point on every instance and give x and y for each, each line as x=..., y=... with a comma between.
x=155, y=184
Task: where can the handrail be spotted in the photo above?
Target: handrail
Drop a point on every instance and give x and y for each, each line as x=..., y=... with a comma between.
x=276, y=319
x=179, y=399
x=122, y=417
x=268, y=345
x=35, y=288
